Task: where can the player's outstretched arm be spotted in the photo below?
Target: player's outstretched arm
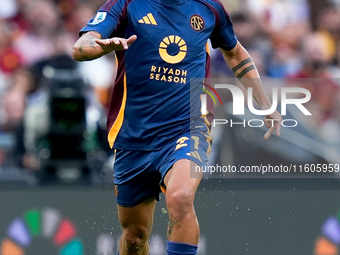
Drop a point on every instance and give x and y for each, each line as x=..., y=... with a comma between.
x=245, y=70
x=91, y=46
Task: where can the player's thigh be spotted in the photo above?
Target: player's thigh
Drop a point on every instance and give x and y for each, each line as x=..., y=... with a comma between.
x=136, y=178
x=182, y=177
x=137, y=219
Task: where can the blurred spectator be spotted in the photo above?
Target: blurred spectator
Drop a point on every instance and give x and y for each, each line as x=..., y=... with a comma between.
x=19, y=20
x=314, y=57
x=14, y=100
x=10, y=59
x=279, y=14
x=316, y=64
x=66, y=7
x=316, y=6
x=36, y=43
x=60, y=56
x=13, y=103
x=329, y=31
x=284, y=61
x=247, y=29
x=78, y=19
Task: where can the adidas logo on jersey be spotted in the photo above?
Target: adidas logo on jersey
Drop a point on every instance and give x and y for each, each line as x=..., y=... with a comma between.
x=148, y=19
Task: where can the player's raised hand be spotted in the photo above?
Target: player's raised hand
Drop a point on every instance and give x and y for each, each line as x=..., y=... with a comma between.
x=273, y=121
x=116, y=43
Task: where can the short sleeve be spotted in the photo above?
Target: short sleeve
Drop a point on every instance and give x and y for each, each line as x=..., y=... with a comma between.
x=107, y=19
x=223, y=35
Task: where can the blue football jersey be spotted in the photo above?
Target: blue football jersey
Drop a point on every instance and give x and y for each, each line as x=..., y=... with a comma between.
x=152, y=100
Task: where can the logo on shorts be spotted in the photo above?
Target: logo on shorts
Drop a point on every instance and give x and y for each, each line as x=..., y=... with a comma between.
x=181, y=142
x=116, y=190
x=197, y=22
x=173, y=41
x=99, y=18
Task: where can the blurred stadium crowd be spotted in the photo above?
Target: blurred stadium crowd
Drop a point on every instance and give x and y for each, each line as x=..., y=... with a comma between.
x=286, y=38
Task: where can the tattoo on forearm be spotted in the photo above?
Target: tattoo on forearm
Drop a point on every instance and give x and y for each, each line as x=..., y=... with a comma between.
x=242, y=64
x=92, y=43
x=172, y=222
x=245, y=71
x=87, y=42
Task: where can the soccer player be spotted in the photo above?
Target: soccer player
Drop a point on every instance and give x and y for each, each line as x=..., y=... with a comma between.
x=157, y=134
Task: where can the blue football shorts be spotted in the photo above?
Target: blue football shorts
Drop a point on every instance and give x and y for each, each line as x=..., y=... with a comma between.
x=138, y=175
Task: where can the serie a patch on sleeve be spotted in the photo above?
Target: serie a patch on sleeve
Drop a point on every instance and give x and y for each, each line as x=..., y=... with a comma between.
x=99, y=18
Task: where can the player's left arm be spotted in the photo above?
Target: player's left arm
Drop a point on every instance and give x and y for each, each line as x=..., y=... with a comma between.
x=245, y=70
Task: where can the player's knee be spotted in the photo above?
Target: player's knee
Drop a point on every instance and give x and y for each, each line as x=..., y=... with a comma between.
x=180, y=202
x=135, y=238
